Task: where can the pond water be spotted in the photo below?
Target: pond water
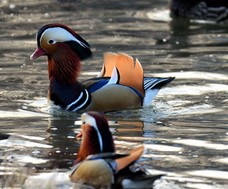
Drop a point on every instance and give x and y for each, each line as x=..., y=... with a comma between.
x=185, y=129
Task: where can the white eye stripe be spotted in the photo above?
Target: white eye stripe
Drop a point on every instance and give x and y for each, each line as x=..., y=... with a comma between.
x=87, y=119
x=58, y=34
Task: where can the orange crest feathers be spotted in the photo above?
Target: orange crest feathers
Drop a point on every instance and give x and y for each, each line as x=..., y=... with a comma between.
x=130, y=71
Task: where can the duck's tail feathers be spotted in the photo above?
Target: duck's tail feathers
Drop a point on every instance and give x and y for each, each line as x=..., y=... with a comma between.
x=156, y=82
x=145, y=182
x=135, y=177
x=152, y=85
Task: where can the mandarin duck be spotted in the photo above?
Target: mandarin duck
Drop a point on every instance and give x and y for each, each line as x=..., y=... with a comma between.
x=211, y=10
x=98, y=165
x=120, y=84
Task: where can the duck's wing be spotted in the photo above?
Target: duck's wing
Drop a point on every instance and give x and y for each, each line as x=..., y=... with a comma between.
x=124, y=70
x=94, y=84
x=110, y=60
x=134, y=176
x=108, y=155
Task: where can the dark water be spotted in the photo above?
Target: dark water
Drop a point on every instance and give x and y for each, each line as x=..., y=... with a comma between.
x=184, y=131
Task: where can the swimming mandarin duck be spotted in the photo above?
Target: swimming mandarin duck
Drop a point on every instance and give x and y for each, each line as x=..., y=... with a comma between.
x=211, y=10
x=120, y=85
x=98, y=165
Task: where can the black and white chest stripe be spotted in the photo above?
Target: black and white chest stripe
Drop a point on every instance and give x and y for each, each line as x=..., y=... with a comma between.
x=81, y=102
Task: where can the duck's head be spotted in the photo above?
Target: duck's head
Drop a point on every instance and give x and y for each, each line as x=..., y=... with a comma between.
x=64, y=49
x=51, y=38
x=96, y=136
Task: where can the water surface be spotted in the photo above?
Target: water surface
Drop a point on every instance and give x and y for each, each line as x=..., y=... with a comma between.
x=184, y=131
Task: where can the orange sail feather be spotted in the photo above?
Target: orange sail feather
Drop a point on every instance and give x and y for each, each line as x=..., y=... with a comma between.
x=130, y=71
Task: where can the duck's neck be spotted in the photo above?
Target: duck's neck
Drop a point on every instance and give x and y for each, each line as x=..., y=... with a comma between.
x=64, y=89
x=64, y=66
x=89, y=145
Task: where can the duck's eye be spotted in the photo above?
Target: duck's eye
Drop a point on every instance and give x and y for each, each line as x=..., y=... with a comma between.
x=51, y=41
x=83, y=123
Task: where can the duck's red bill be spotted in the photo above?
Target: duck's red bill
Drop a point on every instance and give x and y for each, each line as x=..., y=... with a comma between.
x=79, y=135
x=37, y=53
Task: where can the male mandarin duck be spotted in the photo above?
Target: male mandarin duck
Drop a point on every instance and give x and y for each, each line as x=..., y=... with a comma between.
x=98, y=165
x=120, y=85
x=211, y=10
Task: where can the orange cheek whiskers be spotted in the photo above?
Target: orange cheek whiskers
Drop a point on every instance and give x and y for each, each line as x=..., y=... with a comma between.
x=89, y=144
x=64, y=68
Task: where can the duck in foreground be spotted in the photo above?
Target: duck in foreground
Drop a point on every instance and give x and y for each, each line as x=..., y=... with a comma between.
x=210, y=10
x=120, y=85
x=98, y=165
